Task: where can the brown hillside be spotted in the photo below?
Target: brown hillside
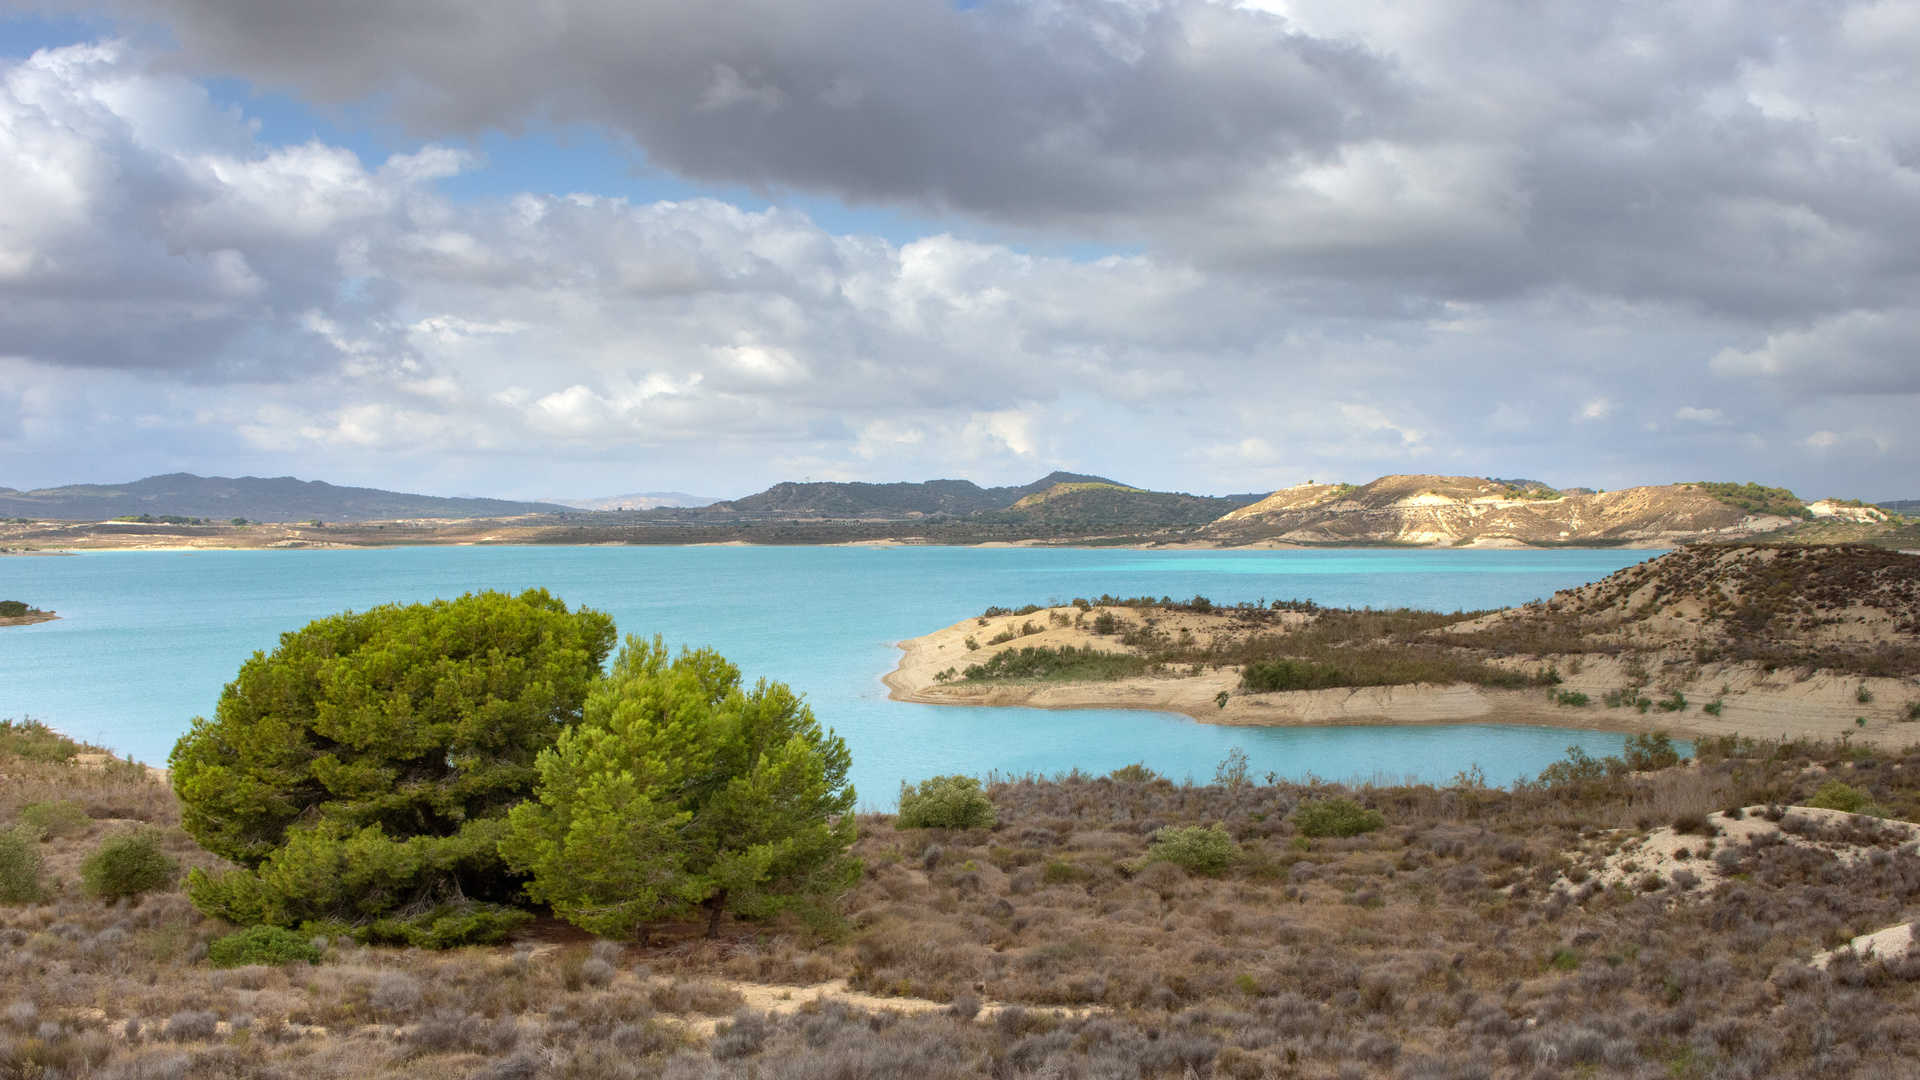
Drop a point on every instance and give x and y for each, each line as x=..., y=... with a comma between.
x=1848, y=607
x=1466, y=510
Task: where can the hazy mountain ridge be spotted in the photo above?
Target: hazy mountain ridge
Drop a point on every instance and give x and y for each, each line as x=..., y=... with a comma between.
x=280, y=498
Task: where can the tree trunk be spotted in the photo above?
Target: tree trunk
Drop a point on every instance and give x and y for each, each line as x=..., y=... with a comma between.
x=716, y=904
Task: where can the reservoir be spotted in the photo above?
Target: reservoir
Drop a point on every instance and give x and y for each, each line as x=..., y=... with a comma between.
x=146, y=640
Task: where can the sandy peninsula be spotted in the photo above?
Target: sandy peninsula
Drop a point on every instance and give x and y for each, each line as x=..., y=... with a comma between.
x=1749, y=700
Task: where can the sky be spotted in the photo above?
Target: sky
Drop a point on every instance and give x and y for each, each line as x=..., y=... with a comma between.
x=570, y=248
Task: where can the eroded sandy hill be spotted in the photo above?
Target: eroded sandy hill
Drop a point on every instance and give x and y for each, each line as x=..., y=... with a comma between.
x=1467, y=510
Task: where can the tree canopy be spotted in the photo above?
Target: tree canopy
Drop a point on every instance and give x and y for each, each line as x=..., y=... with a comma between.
x=362, y=772
x=679, y=788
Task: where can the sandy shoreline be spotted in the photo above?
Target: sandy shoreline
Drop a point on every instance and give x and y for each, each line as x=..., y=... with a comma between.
x=1754, y=703
x=28, y=619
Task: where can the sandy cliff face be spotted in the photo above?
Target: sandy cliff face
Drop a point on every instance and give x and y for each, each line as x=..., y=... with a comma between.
x=1463, y=511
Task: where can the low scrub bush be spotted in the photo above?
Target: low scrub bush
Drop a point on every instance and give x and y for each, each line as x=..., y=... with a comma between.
x=1335, y=817
x=55, y=820
x=13, y=608
x=128, y=864
x=20, y=866
x=1645, y=753
x=1571, y=698
x=1199, y=849
x=274, y=946
x=1834, y=795
x=945, y=802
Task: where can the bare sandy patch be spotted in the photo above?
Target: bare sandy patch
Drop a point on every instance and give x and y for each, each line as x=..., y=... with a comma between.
x=1666, y=855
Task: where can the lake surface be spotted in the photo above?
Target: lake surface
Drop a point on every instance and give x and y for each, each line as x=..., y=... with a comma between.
x=146, y=640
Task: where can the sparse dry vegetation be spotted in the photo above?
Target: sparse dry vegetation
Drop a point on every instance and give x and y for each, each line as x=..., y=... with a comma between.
x=1467, y=936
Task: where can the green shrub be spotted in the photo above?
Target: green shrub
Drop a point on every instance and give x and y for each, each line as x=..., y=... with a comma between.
x=1714, y=707
x=1134, y=773
x=448, y=925
x=1834, y=795
x=274, y=946
x=52, y=820
x=1645, y=753
x=1863, y=695
x=945, y=802
x=1335, y=817
x=1572, y=698
x=12, y=608
x=1675, y=702
x=1913, y=711
x=1200, y=849
x=20, y=866
x=127, y=864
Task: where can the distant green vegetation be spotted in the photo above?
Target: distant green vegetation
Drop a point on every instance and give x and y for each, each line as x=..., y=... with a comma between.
x=1756, y=499
x=1393, y=665
x=35, y=741
x=162, y=519
x=1064, y=664
x=13, y=609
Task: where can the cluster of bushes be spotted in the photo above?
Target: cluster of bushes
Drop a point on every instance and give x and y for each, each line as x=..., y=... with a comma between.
x=1065, y=663
x=1382, y=666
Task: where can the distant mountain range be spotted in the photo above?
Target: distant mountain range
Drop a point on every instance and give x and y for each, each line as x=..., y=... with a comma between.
x=1401, y=509
x=221, y=498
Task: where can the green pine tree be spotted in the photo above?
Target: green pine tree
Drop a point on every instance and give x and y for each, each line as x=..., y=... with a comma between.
x=679, y=789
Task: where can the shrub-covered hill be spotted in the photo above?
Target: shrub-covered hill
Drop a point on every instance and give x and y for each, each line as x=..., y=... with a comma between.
x=1846, y=606
x=1079, y=507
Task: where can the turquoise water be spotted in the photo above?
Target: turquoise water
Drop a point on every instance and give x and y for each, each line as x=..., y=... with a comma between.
x=147, y=639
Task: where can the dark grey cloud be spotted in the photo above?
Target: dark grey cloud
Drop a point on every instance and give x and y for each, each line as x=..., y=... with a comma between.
x=1753, y=160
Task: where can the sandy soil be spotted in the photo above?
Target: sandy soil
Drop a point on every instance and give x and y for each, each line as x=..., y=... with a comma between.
x=1752, y=702
x=28, y=619
x=1662, y=852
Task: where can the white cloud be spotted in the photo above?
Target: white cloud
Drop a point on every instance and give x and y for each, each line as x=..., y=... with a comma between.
x=176, y=292
x=1695, y=415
